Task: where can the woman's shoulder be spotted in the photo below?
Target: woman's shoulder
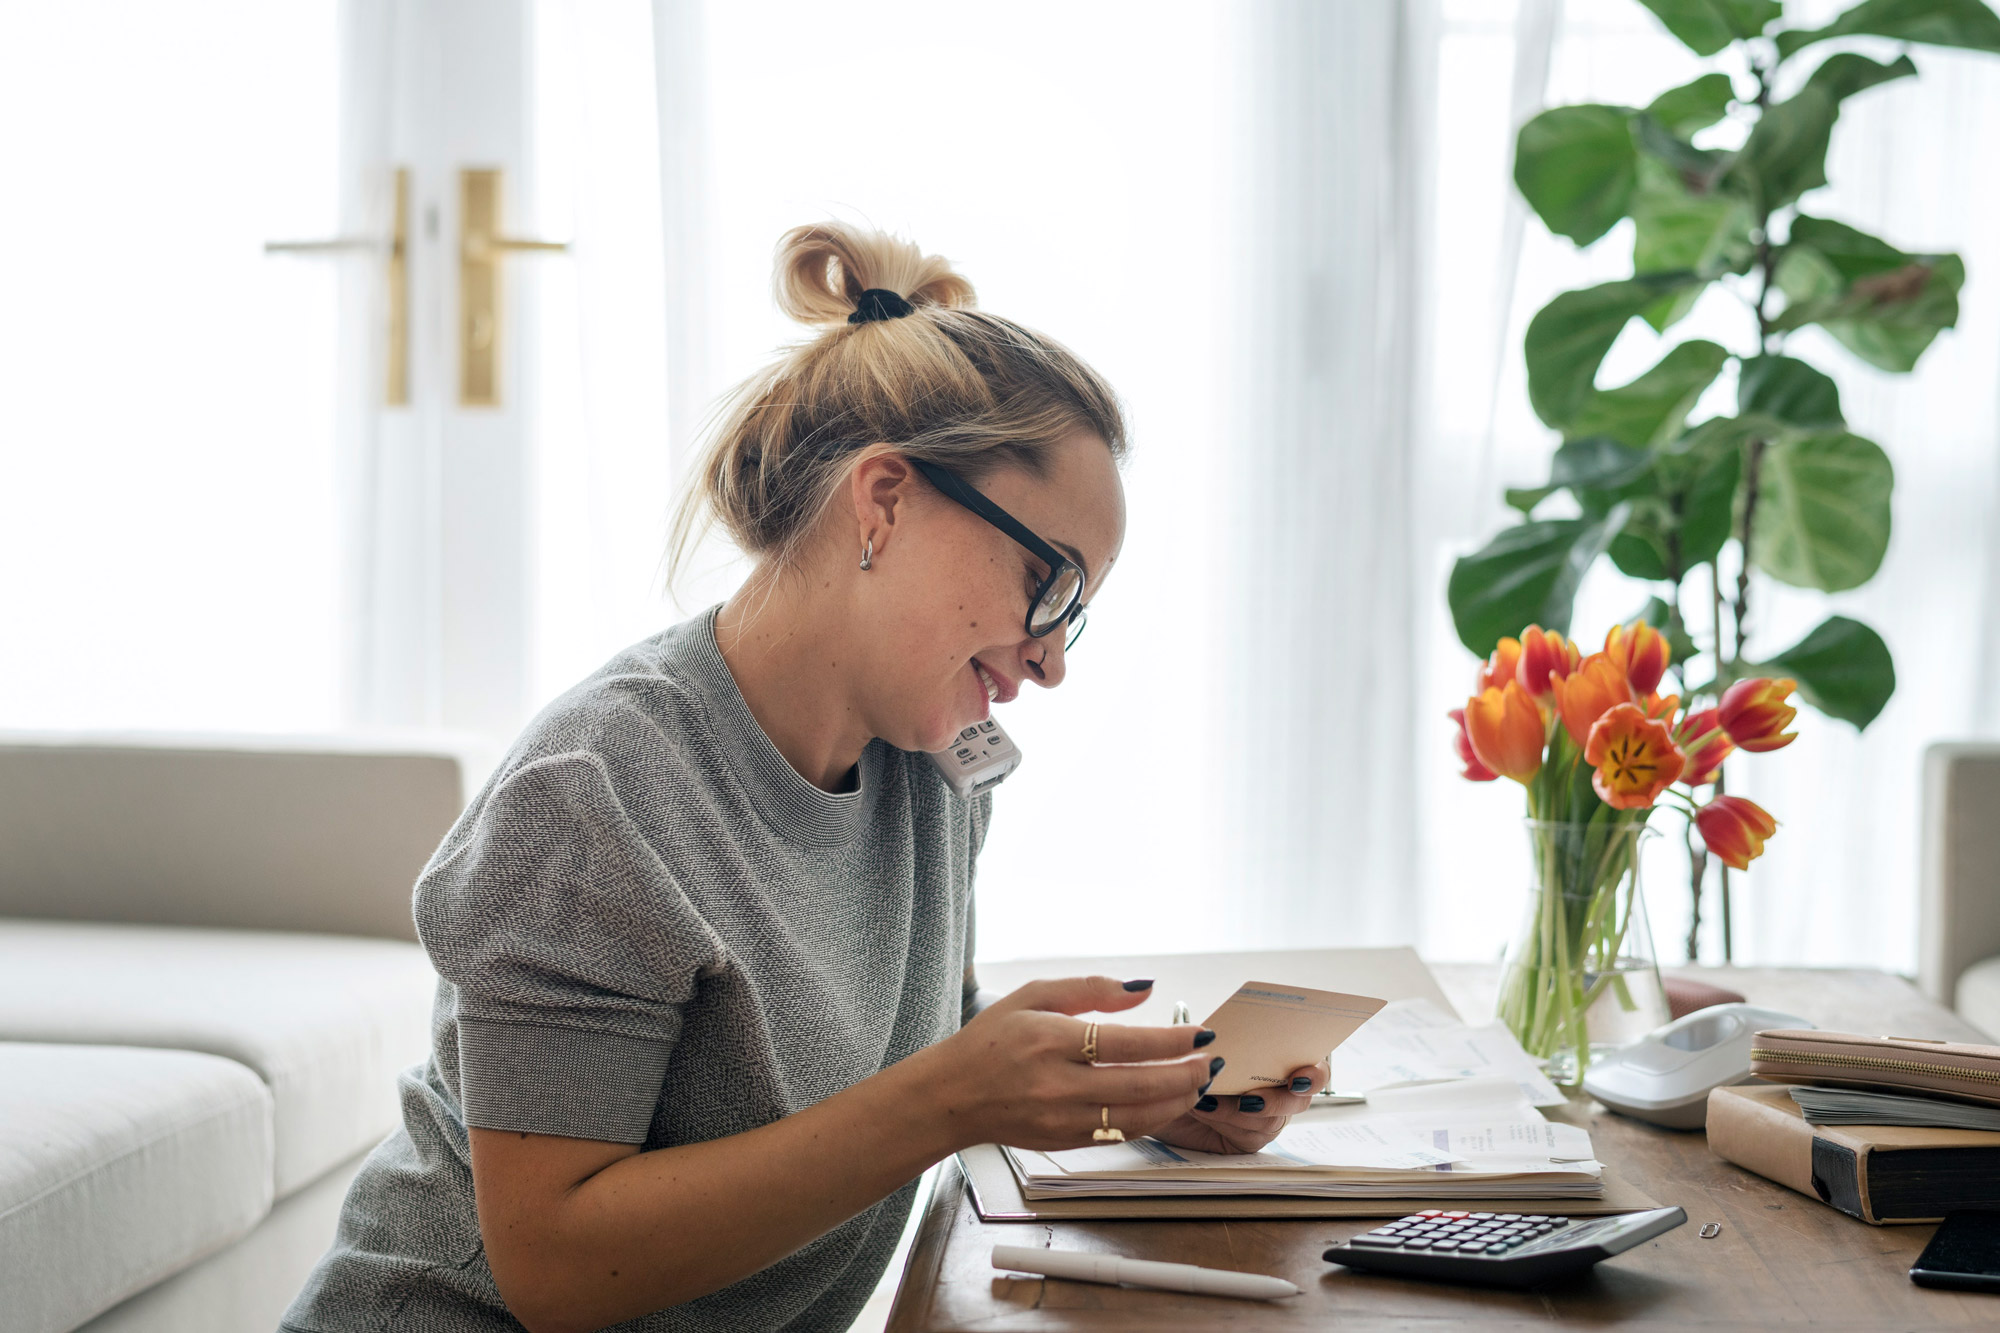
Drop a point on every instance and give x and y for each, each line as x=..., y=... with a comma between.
x=644, y=711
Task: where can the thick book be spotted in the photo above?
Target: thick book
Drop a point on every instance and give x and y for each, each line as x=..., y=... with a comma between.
x=1882, y=1174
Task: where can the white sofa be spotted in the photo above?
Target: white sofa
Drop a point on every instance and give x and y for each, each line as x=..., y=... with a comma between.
x=1959, y=946
x=208, y=983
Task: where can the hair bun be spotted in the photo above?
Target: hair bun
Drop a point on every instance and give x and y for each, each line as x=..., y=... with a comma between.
x=822, y=271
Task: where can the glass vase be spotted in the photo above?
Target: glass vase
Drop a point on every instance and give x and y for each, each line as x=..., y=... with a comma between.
x=1582, y=976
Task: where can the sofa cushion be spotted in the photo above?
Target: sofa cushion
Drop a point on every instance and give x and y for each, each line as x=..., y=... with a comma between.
x=1978, y=1000
x=326, y=1021
x=119, y=1166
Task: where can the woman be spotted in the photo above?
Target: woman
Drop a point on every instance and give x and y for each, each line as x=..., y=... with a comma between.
x=704, y=938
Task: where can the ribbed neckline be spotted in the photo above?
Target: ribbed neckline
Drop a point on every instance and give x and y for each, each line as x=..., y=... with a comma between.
x=793, y=807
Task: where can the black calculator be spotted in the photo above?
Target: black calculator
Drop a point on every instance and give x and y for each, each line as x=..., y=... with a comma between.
x=1498, y=1249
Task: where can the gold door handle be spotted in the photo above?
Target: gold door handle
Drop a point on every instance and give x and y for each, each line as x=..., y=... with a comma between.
x=481, y=246
x=395, y=247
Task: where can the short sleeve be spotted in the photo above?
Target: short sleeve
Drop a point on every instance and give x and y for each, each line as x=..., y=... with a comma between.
x=572, y=950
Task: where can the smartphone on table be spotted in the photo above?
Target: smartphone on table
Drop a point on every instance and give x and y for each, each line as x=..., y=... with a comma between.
x=1964, y=1254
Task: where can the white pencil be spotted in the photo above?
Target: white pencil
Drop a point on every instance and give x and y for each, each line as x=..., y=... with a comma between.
x=1111, y=1269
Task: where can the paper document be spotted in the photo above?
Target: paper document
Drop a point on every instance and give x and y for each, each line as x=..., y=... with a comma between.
x=1414, y=1041
x=1266, y=1031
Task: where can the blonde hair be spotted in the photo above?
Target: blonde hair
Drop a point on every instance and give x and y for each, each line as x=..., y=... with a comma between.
x=947, y=383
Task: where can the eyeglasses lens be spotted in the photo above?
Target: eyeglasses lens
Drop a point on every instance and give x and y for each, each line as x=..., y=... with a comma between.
x=1058, y=601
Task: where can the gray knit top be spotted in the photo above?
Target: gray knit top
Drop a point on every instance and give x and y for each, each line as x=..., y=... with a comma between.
x=650, y=929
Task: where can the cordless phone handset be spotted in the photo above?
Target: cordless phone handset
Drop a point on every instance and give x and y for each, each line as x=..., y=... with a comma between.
x=978, y=758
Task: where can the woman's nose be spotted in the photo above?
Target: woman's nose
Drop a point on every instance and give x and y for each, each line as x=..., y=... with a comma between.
x=1043, y=660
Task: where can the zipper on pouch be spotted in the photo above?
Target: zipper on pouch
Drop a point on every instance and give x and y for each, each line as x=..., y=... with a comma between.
x=1874, y=1062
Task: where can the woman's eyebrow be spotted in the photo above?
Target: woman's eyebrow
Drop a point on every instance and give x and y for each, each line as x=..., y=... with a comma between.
x=1076, y=557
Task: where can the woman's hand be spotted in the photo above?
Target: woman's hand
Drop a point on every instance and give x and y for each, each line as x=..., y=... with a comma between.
x=1246, y=1123
x=1016, y=1074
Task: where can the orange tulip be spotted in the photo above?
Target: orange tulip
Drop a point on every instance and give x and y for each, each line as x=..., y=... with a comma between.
x=1735, y=829
x=1754, y=713
x=1544, y=653
x=1462, y=742
x=1498, y=669
x=1707, y=745
x=1634, y=757
x=1641, y=652
x=1506, y=732
x=1588, y=692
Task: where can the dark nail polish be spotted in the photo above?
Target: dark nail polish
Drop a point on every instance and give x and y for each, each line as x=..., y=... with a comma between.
x=1206, y=1086
x=1250, y=1105
x=1203, y=1038
x=1143, y=984
x=1215, y=1066
x=1206, y=1104
x=1302, y=1084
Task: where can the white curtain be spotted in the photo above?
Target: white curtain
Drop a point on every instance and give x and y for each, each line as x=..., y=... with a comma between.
x=1319, y=616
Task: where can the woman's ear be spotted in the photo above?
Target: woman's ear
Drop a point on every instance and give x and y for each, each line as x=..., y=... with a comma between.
x=879, y=487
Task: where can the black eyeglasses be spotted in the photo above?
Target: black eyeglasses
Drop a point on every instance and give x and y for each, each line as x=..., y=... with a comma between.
x=1058, y=601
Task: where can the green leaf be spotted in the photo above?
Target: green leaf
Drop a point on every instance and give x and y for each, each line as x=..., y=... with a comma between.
x=1706, y=26
x=1525, y=498
x=1576, y=167
x=1843, y=669
x=1693, y=106
x=1528, y=575
x=1822, y=517
x=1963, y=23
x=1785, y=154
x=1661, y=617
x=1683, y=510
x=1708, y=502
x=1597, y=462
x=1651, y=409
x=1791, y=391
x=1884, y=305
x=1568, y=337
x=1676, y=229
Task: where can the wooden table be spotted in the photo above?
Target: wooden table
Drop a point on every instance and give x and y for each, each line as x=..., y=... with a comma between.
x=1780, y=1259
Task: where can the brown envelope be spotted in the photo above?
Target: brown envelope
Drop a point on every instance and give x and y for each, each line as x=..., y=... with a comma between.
x=1265, y=1031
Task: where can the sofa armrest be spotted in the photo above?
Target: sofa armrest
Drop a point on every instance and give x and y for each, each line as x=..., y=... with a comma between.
x=323, y=835
x=1960, y=921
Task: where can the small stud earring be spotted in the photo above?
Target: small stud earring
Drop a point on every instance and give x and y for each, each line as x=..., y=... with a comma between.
x=868, y=556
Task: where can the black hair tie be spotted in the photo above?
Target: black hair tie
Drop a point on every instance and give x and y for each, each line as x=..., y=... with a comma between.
x=879, y=303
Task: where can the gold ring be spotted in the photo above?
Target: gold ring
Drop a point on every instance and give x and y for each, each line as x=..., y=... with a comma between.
x=1090, y=1043
x=1105, y=1133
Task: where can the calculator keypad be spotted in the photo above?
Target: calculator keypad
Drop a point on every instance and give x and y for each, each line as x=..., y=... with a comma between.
x=1440, y=1232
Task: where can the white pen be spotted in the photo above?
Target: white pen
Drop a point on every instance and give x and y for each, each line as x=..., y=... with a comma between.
x=1109, y=1268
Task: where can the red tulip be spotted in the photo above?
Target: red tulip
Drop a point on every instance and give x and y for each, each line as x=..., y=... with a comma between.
x=1506, y=731
x=1735, y=829
x=1754, y=713
x=1634, y=757
x=1641, y=652
x=1498, y=669
x=1544, y=654
x=1707, y=745
x=1462, y=742
x=1588, y=692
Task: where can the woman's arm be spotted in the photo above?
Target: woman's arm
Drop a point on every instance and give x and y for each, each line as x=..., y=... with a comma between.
x=581, y=1234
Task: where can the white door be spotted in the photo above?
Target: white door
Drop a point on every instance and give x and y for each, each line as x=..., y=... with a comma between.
x=265, y=352
x=437, y=105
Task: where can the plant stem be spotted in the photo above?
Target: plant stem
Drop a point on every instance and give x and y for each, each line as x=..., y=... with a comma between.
x=1697, y=872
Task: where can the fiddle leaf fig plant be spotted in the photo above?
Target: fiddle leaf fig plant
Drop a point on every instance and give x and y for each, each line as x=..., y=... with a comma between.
x=1716, y=176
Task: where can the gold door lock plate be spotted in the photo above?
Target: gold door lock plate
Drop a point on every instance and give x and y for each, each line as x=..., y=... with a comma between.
x=481, y=247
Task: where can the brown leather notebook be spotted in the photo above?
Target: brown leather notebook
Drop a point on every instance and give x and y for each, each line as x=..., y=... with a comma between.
x=1882, y=1174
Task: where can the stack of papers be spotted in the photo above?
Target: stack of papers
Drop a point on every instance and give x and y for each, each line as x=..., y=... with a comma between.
x=1476, y=1138
x=1414, y=1041
x=1857, y=1106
